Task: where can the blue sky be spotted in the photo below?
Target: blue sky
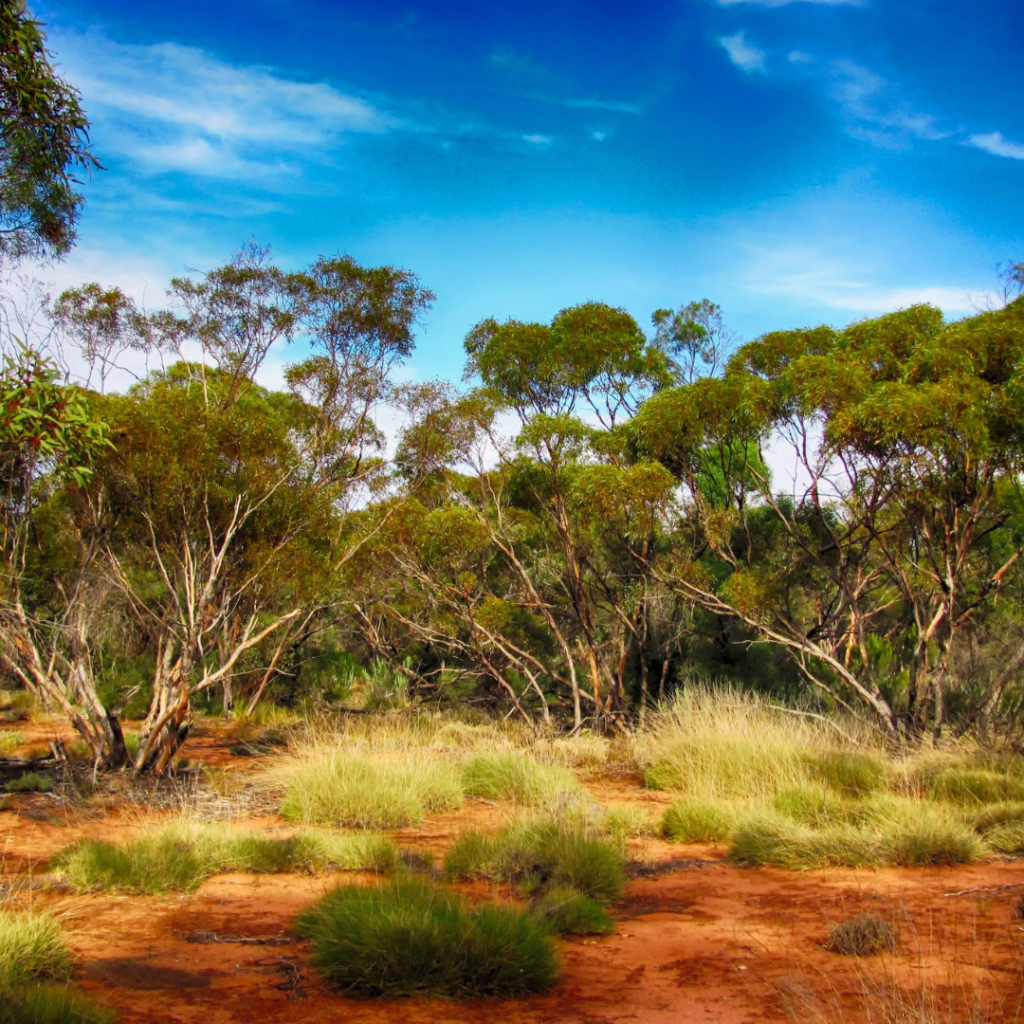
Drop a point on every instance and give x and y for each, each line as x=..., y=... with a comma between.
x=796, y=162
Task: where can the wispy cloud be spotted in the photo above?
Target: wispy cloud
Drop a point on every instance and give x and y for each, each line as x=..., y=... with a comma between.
x=745, y=56
x=615, y=106
x=994, y=143
x=179, y=108
x=873, y=114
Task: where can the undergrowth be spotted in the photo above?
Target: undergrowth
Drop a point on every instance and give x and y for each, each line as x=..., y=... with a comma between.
x=179, y=857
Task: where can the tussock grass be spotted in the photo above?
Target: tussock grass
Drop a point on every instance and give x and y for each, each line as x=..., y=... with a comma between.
x=31, y=947
x=999, y=814
x=698, y=821
x=817, y=806
x=862, y=936
x=728, y=745
x=975, y=786
x=626, y=821
x=29, y=782
x=180, y=857
x=410, y=938
x=51, y=1004
x=565, y=911
x=336, y=788
x=10, y=740
x=541, y=853
x=513, y=776
x=890, y=830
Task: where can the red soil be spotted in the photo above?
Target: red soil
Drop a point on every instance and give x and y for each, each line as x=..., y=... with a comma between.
x=698, y=940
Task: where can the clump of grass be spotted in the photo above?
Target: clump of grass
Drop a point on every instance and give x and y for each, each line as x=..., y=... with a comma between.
x=541, y=853
x=10, y=740
x=975, y=786
x=916, y=833
x=851, y=773
x=817, y=806
x=16, y=705
x=626, y=821
x=339, y=789
x=515, y=776
x=724, y=744
x=862, y=936
x=29, y=782
x=782, y=842
x=565, y=911
x=410, y=938
x=31, y=947
x=51, y=1004
x=1007, y=838
x=994, y=815
x=698, y=821
x=179, y=858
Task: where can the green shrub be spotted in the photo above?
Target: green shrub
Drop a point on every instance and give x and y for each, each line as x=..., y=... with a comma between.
x=10, y=740
x=31, y=947
x=340, y=789
x=541, y=853
x=565, y=911
x=50, y=1004
x=851, y=773
x=698, y=821
x=178, y=858
x=515, y=776
x=975, y=786
x=29, y=782
x=862, y=936
x=409, y=938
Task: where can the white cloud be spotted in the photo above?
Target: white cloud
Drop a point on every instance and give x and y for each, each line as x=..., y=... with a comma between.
x=864, y=99
x=799, y=57
x=538, y=140
x=745, y=56
x=995, y=144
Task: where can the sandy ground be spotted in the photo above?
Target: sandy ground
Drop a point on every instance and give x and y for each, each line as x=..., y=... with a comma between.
x=697, y=940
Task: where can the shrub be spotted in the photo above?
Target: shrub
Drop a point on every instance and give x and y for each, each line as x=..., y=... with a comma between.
x=31, y=947
x=862, y=936
x=698, y=821
x=51, y=1004
x=974, y=786
x=565, y=911
x=541, y=853
x=29, y=782
x=339, y=789
x=410, y=938
x=851, y=773
x=179, y=858
x=515, y=776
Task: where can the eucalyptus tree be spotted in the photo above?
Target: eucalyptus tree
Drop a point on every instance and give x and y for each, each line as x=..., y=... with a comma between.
x=907, y=434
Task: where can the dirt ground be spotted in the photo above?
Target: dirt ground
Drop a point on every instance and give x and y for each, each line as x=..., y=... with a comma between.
x=697, y=939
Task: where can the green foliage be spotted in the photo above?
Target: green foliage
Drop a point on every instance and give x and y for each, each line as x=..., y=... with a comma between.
x=998, y=814
x=10, y=740
x=29, y=782
x=179, y=858
x=515, y=776
x=539, y=853
x=862, y=936
x=340, y=789
x=409, y=938
x=698, y=821
x=46, y=140
x=782, y=842
x=626, y=821
x=565, y=911
x=51, y=1004
x=31, y=947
